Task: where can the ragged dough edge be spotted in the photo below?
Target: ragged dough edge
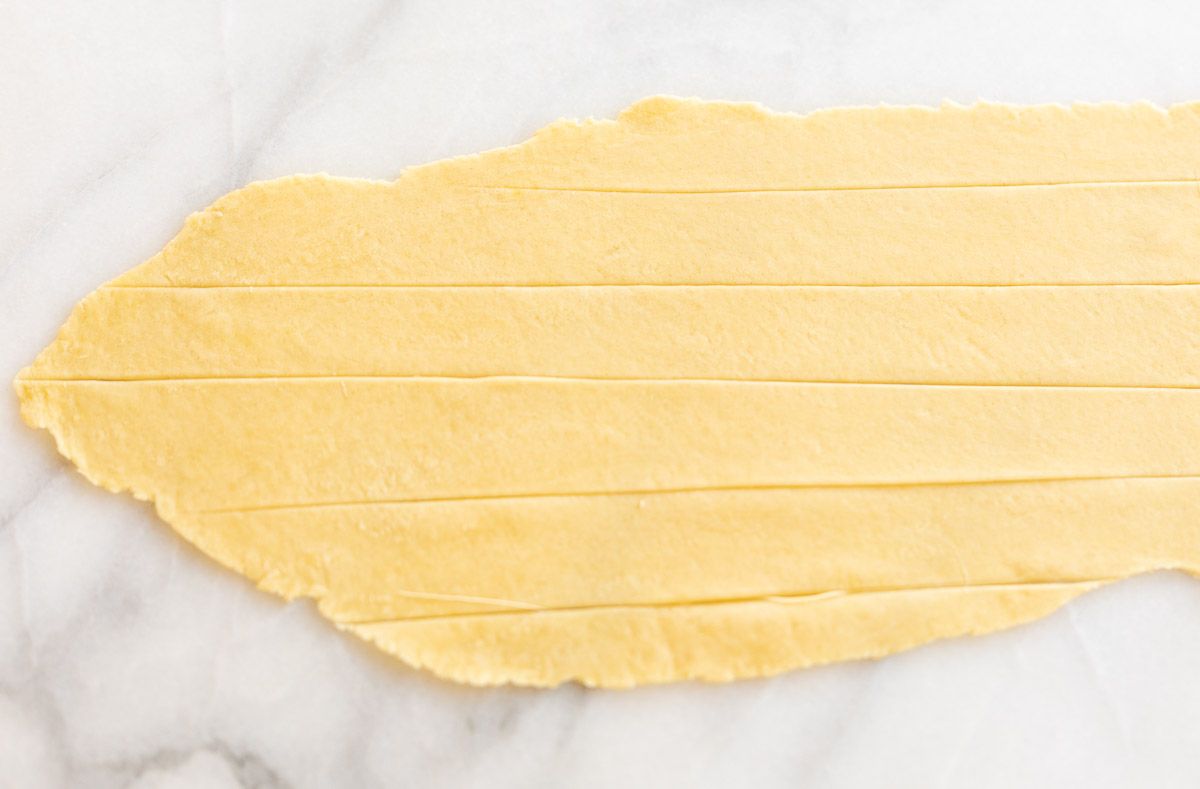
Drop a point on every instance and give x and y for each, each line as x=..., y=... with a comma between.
x=665, y=109
x=666, y=114
x=624, y=648
x=37, y=411
x=448, y=648
x=648, y=114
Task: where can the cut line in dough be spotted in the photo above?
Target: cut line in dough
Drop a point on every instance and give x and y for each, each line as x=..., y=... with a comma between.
x=704, y=392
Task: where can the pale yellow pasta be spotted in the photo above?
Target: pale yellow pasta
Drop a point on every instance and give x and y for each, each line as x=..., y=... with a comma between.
x=703, y=392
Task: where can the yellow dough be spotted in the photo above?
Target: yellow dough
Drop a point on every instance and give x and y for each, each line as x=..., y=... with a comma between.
x=703, y=392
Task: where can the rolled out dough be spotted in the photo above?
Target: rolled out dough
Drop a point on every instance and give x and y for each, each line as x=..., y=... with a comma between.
x=703, y=392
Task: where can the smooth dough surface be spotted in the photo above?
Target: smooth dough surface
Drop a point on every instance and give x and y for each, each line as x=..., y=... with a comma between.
x=702, y=392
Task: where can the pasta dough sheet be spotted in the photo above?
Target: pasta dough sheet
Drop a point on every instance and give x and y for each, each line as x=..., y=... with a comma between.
x=704, y=392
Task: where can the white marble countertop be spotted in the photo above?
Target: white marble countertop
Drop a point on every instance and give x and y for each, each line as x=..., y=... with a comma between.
x=126, y=658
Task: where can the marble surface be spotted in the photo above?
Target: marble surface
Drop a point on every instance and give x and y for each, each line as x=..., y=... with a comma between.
x=126, y=659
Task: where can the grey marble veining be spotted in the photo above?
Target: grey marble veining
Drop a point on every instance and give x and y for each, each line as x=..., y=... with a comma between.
x=126, y=659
